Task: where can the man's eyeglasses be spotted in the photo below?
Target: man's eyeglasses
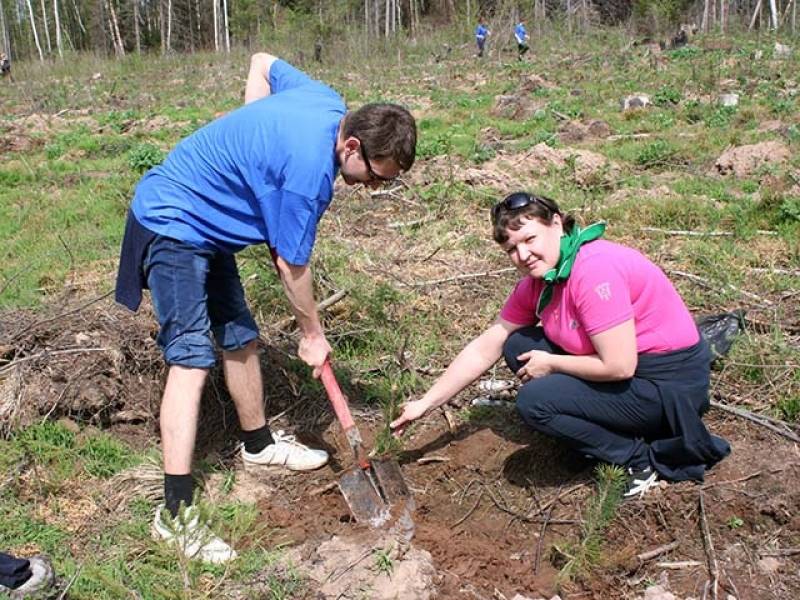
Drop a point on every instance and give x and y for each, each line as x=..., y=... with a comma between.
x=373, y=176
x=519, y=200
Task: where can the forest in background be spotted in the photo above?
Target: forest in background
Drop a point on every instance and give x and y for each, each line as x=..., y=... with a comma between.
x=45, y=29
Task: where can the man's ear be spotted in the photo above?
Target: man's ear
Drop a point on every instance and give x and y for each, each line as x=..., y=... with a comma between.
x=352, y=144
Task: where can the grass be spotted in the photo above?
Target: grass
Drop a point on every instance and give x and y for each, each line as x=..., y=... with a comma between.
x=64, y=195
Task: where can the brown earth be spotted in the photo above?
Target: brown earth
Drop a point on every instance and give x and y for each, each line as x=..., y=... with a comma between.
x=483, y=487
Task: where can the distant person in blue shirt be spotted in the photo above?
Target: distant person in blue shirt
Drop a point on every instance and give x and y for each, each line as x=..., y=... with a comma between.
x=481, y=33
x=521, y=35
x=262, y=174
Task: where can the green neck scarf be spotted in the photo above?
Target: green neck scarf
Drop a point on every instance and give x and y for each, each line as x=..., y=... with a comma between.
x=570, y=244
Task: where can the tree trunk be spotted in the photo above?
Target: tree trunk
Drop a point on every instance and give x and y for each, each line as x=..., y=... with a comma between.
x=755, y=15
x=6, y=45
x=723, y=15
x=227, y=26
x=216, y=24
x=704, y=23
x=137, y=34
x=46, y=29
x=169, y=25
x=773, y=13
x=57, y=19
x=35, y=33
x=119, y=47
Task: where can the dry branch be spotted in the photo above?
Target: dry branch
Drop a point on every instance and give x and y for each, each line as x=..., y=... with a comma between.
x=327, y=303
x=740, y=412
x=460, y=277
x=706, y=283
x=708, y=546
x=656, y=552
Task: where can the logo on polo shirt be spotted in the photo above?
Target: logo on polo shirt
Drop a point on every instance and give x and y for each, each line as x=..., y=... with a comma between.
x=603, y=291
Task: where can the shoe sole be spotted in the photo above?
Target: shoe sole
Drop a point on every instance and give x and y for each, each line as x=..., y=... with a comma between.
x=251, y=466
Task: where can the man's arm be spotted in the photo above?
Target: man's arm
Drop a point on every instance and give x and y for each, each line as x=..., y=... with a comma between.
x=298, y=285
x=257, y=86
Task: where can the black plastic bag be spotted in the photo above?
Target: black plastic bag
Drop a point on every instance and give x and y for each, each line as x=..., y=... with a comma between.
x=721, y=330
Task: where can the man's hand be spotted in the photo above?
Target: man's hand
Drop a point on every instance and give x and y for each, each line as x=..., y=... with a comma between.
x=411, y=411
x=539, y=364
x=314, y=350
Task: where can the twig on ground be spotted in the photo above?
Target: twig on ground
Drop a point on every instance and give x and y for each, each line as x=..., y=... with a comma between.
x=19, y=334
x=782, y=552
x=17, y=361
x=656, y=552
x=469, y=512
x=740, y=412
x=691, y=232
x=323, y=489
x=460, y=277
x=680, y=564
x=708, y=546
x=539, y=543
x=326, y=303
x=72, y=580
x=432, y=459
x=420, y=221
x=739, y=480
x=706, y=283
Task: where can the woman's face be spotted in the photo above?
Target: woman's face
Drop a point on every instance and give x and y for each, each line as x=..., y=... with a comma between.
x=535, y=247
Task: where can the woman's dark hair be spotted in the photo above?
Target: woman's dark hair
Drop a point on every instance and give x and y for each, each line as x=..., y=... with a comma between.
x=509, y=212
x=388, y=130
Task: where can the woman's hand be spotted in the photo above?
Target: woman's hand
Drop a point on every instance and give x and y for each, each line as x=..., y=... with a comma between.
x=412, y=411
x=539, y=364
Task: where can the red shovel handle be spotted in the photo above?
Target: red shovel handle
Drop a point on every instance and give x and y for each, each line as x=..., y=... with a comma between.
x=336, y=396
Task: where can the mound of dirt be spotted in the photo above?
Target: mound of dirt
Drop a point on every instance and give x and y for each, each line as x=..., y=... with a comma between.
x=743, y=161
x=588, y=167
x=519, y=106
x=381, y=568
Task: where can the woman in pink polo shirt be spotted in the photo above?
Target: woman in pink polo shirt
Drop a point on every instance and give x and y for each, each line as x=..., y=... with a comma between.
x=610, y=360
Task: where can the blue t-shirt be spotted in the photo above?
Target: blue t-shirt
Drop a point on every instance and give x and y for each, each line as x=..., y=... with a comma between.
x=481, y=31
x=520, y=33
x=262, y=173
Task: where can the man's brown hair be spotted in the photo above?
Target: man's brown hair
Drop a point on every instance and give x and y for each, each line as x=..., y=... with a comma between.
x=386, y=130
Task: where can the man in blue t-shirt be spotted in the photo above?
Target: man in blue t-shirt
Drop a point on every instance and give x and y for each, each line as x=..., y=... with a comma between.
x=481, y=33
x=521, y=35
x=262, y=174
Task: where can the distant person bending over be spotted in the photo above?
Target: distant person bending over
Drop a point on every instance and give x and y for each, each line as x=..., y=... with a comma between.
x=25, y=577
x=262, y=174
x=521, y=35
x=5, y=64
x=609, y=357
x=481, y=33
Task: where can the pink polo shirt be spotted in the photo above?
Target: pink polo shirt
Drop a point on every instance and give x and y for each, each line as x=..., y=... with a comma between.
x=609, y=284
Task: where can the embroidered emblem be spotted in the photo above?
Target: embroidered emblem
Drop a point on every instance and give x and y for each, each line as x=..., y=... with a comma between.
x=573, y=324
x=604, y=291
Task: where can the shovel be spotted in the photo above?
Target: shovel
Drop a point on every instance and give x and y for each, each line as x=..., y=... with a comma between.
x=370, y=487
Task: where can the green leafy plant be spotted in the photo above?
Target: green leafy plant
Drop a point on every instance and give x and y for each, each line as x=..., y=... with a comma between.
x=666, y=96
x=145, y=156
x=383, y=562
x=734, y=522
x=659, y=151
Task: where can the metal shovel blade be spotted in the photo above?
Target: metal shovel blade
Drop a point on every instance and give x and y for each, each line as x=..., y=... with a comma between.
x=365, y=503
x=390, y=480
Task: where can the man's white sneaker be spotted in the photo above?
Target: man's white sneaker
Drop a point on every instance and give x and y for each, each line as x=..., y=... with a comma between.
x=286, y=452
x=191, y=536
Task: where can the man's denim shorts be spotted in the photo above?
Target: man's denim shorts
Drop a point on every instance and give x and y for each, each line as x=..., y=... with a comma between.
x=195, y=292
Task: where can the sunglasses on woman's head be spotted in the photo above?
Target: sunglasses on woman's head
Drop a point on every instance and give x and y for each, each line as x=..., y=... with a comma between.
x=519, y=200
